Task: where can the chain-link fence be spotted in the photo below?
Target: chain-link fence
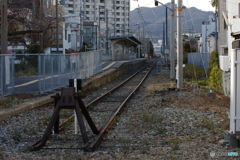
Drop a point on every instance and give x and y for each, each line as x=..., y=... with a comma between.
x=38, y=73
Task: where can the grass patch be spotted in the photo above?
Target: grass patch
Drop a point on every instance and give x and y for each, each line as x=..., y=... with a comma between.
x=9, y=101
x=153, y=121
x=188, y=138
x=65, y=113
x=174, y=143
x=16, y=135
x=209, y=124
x=191, y=71
x=125, y=143
x=145, y=146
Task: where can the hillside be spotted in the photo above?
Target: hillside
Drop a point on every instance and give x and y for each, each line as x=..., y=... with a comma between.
x=154, y=18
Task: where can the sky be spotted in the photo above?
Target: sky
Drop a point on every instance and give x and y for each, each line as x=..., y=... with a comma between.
x=200, y=4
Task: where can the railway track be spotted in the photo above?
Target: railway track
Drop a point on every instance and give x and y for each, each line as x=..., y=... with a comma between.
x=104, y=111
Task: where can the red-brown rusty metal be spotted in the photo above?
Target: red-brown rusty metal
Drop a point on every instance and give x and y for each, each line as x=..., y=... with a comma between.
x=68, y=100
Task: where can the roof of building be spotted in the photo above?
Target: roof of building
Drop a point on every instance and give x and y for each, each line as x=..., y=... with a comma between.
x=126, y=40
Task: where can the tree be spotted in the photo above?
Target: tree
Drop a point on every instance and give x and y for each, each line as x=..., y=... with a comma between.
x=30, y=21
x=214, y=3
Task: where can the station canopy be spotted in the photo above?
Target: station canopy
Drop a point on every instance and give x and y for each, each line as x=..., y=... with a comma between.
x=125, y=41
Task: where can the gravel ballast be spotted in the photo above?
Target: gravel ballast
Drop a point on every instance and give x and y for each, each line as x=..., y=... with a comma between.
x=158, y=123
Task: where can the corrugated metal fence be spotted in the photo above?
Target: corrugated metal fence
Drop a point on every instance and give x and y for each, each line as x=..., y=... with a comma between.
x=199, y=59
x=38, y=73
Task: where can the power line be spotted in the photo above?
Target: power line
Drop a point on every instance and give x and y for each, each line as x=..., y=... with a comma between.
x=144, y=22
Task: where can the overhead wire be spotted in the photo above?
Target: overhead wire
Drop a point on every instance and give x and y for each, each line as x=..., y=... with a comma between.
x=190, y=13
x=194, y=69
x=143, y=21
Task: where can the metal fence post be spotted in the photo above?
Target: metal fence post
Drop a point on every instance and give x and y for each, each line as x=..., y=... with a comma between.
x=1, y=73
x=39, y=74
x=59, y=69
x=12, y=81
x=51, y=57
x=44, y=73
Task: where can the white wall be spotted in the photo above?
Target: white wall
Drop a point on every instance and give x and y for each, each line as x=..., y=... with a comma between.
x=232, y=10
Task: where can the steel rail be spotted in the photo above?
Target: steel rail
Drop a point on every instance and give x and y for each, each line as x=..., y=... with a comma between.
x=94, y=144
x=105, y=94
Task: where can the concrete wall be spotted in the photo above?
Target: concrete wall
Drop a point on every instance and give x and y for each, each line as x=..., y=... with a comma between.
x=111, y=74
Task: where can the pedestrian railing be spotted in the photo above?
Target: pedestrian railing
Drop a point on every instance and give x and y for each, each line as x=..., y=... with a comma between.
x=39, y=73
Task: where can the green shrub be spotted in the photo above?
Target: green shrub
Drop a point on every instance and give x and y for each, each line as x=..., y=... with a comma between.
x=214, y=60
x=215, y=79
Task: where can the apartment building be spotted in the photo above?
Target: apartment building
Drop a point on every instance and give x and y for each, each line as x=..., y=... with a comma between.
x=111, y=16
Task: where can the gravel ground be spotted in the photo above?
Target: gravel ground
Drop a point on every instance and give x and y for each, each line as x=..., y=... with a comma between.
x=157, y=124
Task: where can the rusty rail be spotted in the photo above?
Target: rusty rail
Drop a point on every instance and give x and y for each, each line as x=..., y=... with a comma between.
x=94, y=144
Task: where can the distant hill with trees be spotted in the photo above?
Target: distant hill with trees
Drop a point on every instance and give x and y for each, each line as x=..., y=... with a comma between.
x=153, y=18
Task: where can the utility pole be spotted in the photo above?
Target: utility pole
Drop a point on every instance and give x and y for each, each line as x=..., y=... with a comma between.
x=206, y=38
x=99, y=27
x=163, y=42
x=4, y=32
x=216, y=29
x=179, y=46
x=143, y=39
x=81, y=24
x=57, y=26
x=107, y=29
x=4, y=27
x=173, y=50
x=167, y=44
x=172, y=53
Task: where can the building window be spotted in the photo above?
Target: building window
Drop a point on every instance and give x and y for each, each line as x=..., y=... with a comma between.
x=87, y=30
x=74, y=25
x=60, y=36
x=101, y=1
x=69, y=37
x=225, y=51
x=225, y=25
